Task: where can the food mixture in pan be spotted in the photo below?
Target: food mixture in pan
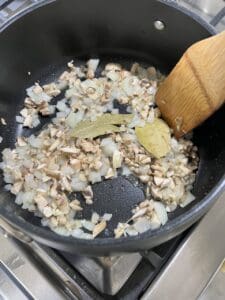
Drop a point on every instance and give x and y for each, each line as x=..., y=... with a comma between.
x=88, y=140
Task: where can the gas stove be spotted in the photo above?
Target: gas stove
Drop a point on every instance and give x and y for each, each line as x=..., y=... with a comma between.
x=29, y=270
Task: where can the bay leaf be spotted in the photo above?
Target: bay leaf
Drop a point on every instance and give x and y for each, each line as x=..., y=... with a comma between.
x=115, y=119
x=155, y=137
x=102, y=125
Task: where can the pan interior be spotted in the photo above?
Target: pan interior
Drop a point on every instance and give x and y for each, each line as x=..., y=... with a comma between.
x=119, y=195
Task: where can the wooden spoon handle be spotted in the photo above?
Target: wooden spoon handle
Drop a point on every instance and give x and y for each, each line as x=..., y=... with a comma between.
x=196, y=85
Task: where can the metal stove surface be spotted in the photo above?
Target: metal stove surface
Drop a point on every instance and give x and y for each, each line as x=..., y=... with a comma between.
x=211, y=10
x=31, y=271
x=125, y=276
x=40, y=272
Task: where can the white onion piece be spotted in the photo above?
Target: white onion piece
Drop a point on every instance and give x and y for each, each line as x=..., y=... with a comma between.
x=87, y=236
x=117, y=93
x=78, y=185
x=131, y=86
x=117, y=159
x=113, y=75
x=8, y=178
x=155, y=222
x=19, y=198
x=115, y=111
x=77, y=233
x=71, y=92
x=92, y=64
x=152, y=90
x=129, y=109
x=44, y=221
x=126, y=171
x=171, y=207
x=35, y=121
x=77, y=223
x=161, y=212
x=108, y=146
x=139, y=213
x=37, y=97
x=94, y=177
x=188, y=198
x=8, y=187
x=61, y=114
x=67, y=170
x=62, y=107
x=51, y=109
x=131, y=231
x=136, y=121
x=95, y=218
x=107, y=217
x=74, y=118
x=62, y=84
x=109, y=106
x=87, y=225
x=61, y=230
x=142, y=225
x=35, y=141
x=105, y=166
x=19, y=119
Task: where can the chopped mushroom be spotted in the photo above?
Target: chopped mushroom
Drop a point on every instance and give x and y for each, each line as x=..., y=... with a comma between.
x=88, y=141
x=99, y=228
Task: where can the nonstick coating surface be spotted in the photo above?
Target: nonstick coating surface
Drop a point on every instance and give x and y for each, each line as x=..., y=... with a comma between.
x=43, y=42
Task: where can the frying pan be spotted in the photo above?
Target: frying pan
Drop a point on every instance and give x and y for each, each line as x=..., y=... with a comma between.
x=42, y=40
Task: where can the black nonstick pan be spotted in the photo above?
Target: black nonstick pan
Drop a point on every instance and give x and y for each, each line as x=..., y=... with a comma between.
x=43, y=39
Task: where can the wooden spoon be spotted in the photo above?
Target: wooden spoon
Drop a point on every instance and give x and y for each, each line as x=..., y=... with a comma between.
x=195, y=88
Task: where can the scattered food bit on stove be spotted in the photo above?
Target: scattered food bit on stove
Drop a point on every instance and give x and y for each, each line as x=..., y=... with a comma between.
x=88, y=140
x=3, y=121
x=1, y=139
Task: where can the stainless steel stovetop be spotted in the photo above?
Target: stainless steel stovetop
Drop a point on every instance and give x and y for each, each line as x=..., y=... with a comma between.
x=180, y=269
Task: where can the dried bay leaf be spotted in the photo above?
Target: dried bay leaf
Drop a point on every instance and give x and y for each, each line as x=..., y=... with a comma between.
x=93, y=132
x=155, y=137
x=115, y=119
x=102, y=125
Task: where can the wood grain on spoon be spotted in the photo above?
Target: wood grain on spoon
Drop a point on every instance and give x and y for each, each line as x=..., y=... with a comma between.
x=195, y=88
